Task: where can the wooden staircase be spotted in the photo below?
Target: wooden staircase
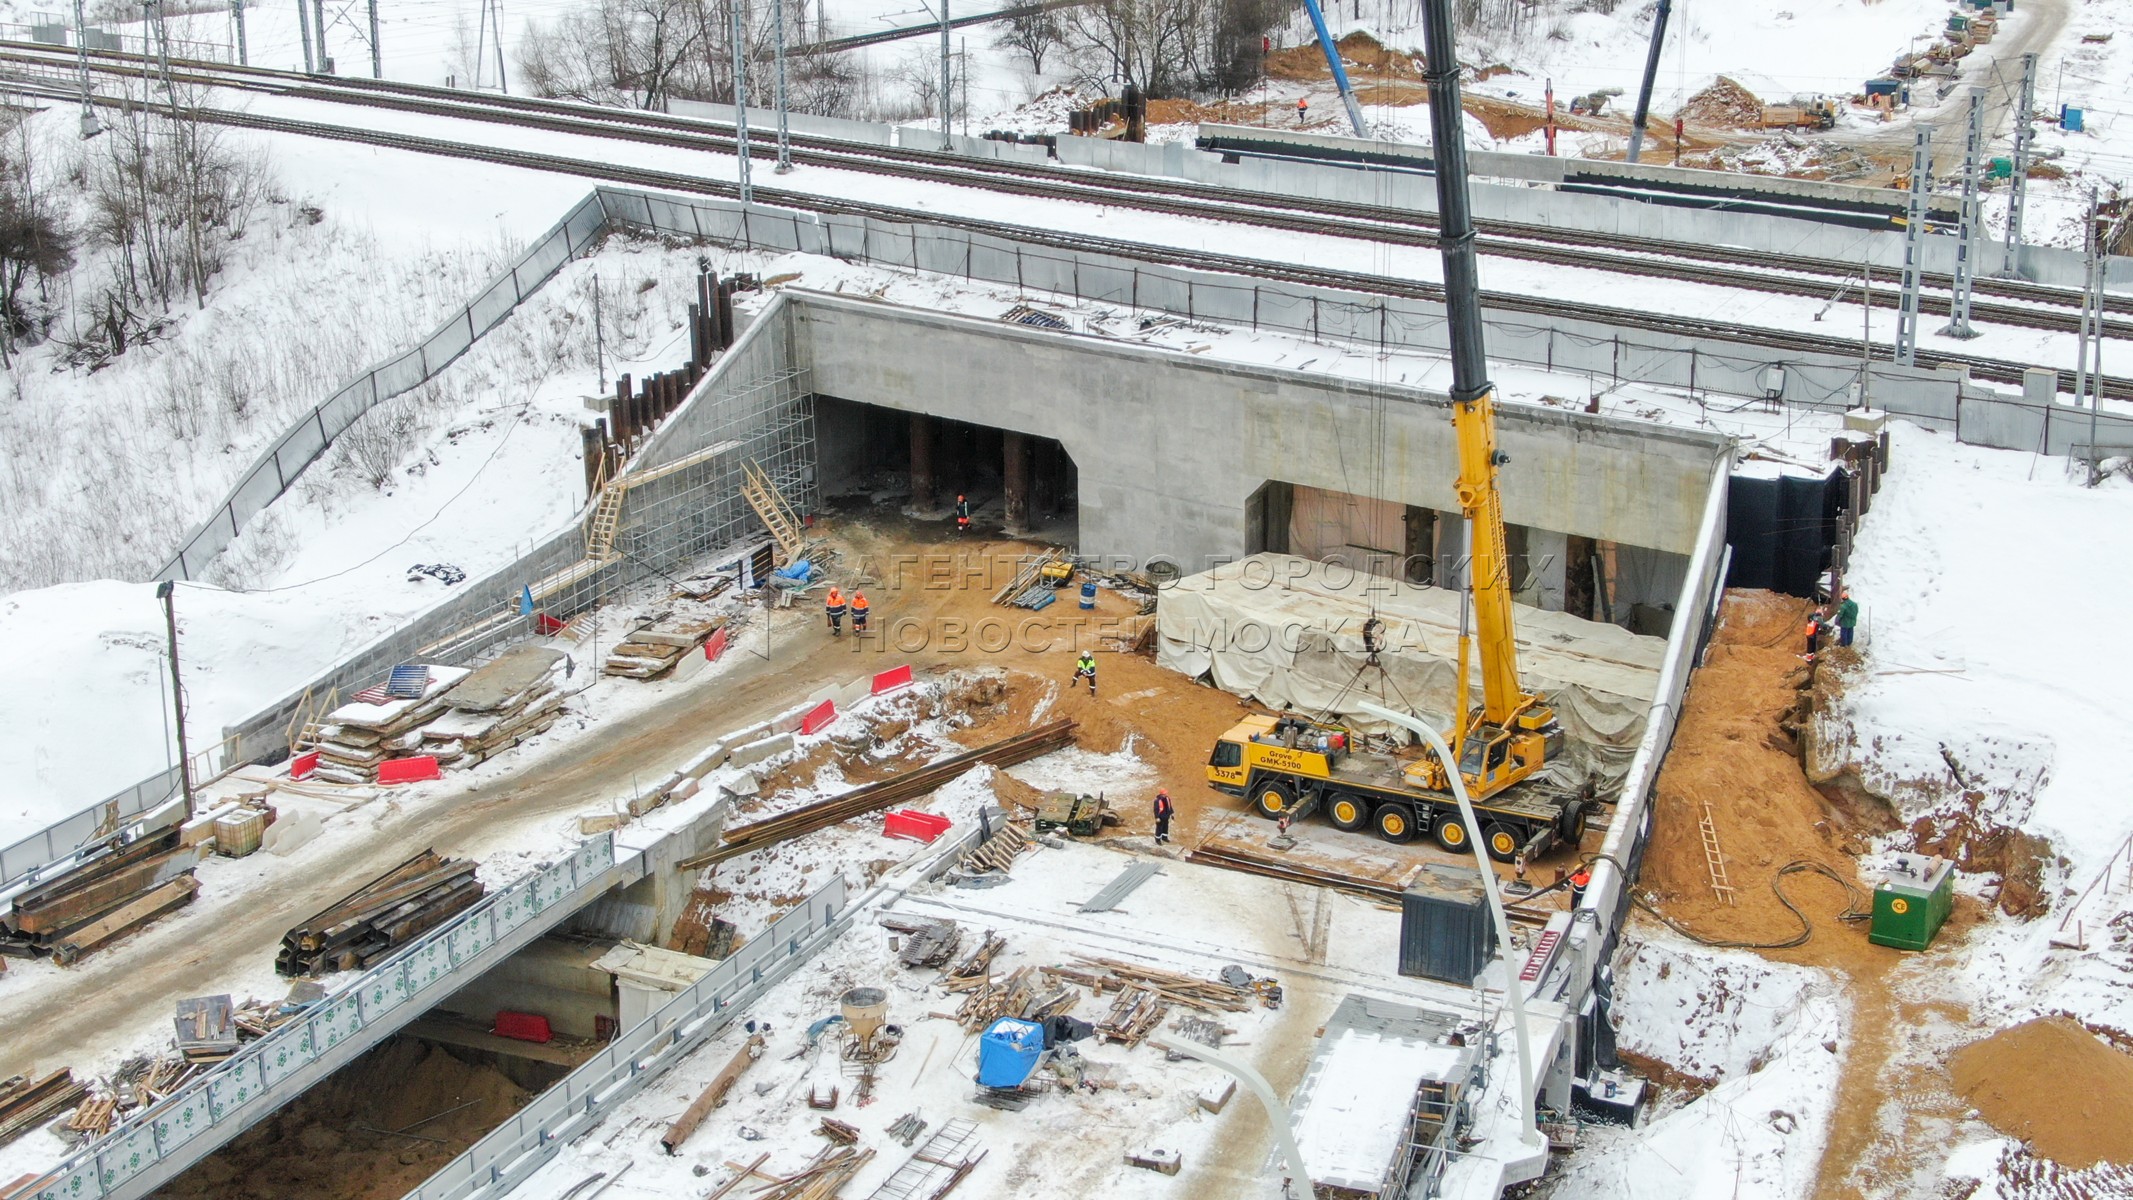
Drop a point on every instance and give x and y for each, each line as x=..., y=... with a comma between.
x=606, y=518
x=778, y=516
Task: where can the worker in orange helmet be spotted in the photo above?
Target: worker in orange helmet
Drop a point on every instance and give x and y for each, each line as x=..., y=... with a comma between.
x=859, y=613
x=1303, y=109
x=833, y=605
x=1164, y=810
x=962, y=514
x=1580, y=879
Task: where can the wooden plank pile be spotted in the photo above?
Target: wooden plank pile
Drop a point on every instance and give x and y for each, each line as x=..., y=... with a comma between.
x=988, y=998
x=979, y=961
x=391, y=910
x=1136, y=1013
x=25, y=1103
x=90, y=905
x=999, y=853
x=652, y=651
x=824, y=1176
x=1207, y=995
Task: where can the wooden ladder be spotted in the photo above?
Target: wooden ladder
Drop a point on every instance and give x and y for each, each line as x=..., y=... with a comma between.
x=777, y=515
x=1713, y=859
x=606, y=518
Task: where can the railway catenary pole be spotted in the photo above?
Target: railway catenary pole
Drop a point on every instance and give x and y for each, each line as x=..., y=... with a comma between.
x=947, y=138
x=89, y=126
x=303, y=27
x=1651, y=73
x=2018, y=185
x=777, y=23
x=318, y=27
x=244, y=57
x=1914, y=237
x=1968, y=235
x=377, y=56
x=165, y=591
x=740, y=95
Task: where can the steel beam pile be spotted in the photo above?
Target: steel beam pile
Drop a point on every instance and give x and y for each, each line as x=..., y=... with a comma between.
x=93, y=904
x=389, y=911
x=875, y=796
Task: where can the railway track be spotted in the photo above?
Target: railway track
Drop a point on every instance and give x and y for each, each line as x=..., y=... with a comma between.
x=1993, y=370
x=2019, y=304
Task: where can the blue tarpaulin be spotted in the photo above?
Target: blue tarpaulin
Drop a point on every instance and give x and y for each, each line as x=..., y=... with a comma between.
x=1008, y=1052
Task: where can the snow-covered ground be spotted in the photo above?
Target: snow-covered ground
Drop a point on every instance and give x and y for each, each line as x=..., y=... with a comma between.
x=1763, y=1036
x=1991, y=588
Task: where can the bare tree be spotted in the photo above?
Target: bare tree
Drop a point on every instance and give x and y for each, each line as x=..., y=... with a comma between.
x=35, y=242
x=1033, y=35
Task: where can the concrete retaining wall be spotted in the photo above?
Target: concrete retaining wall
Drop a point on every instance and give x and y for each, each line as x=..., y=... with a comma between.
x=1169, y=447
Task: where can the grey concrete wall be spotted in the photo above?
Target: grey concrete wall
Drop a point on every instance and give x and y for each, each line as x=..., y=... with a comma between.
x=1169, y=447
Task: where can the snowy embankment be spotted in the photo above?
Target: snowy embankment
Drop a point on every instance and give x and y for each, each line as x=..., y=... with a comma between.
x=1764, y=1036
x=1988, y=706
x=465, y=472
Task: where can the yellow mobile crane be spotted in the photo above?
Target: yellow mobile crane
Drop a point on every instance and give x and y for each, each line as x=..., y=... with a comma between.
x=1292, y=765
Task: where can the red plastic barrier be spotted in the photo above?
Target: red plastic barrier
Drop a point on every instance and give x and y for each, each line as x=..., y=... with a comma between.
x=408, y=770
x=302, y=765
x=546, y=625
x=524, y=1027
x=821, y=715
x=918, y=826
x=716, y=646
x=889, y=681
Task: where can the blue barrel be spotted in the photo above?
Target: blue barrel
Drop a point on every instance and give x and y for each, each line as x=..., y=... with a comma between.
x=1088, y=594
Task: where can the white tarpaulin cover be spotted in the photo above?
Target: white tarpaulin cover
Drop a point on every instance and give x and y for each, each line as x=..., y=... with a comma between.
x=1288, y=633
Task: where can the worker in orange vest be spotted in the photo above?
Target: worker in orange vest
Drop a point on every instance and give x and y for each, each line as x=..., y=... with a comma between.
x=1814, y=631
x=962, y=514
x=859, y=613
x=834, y=606
x=1303, y=109
x=1580, y=879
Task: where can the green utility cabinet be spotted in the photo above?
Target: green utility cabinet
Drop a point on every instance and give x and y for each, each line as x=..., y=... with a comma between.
x=1912, y=902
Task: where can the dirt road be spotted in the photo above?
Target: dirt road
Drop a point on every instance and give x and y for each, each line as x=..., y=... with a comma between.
x=1996, y=67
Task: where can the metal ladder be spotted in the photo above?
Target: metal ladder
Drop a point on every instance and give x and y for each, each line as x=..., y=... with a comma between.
x=1713, y=859
x=777, y=515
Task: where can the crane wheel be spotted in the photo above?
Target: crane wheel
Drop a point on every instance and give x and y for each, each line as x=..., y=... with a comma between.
x=1451, y=833
x=1347, y=812
x=1396, y=824
x=1272, y=799
x=1502, y=842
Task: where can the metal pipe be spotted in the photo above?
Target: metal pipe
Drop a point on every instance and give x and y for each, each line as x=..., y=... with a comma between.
x=1528, y=1132
x=1455, y=219
x=1651, y=73
x=1277, y=1113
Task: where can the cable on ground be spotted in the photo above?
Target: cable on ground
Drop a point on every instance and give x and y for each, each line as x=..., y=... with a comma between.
x=1853, y=897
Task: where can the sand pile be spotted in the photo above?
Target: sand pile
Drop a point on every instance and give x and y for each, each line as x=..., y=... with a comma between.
x=2052, y=1084
x=1734, y=751
x=1726, y=104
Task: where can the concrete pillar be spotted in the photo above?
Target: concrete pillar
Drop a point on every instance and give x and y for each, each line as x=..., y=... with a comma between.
x=1014, y=476
x=921, y=462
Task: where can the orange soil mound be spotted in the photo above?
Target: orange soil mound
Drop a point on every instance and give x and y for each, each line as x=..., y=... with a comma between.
x=2052, y=1084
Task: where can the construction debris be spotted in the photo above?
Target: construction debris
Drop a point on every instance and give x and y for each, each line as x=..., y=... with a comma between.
x=979, y=961
x=998, y=853
x=936, y=1167
x=391, y=910
x=837, y=1131
x=652, y=650
x=24, y=1105
x=875, y=796
x=207, y=1028
x=1136, y=1013
x=1166, y=1161
x=926, y=943
x=906, y=1128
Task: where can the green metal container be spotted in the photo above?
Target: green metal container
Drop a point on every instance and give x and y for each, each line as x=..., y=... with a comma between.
x=2001, y=168
x=1912, y=902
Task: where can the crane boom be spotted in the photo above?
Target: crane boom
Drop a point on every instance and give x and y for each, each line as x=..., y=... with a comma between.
x=1515, y=730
